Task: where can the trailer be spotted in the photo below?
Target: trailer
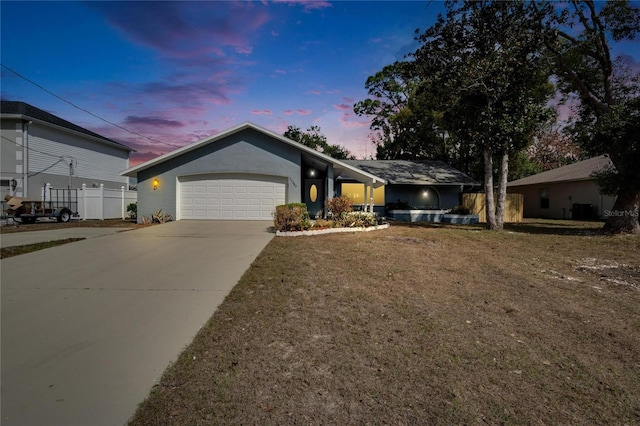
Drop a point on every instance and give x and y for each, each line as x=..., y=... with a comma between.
x=61, y=204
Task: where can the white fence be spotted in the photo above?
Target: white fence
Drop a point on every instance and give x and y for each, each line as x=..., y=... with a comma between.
x=103, y=203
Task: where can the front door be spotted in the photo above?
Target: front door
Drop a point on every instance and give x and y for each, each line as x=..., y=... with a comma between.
x=314, y=197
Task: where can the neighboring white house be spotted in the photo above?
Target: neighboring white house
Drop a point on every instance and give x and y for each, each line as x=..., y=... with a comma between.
x=40, y=148
x=568, y=192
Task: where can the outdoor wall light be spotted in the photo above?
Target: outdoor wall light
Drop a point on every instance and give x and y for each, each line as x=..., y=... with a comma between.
x=156, y=183
x=425, y=193
x=312, y=172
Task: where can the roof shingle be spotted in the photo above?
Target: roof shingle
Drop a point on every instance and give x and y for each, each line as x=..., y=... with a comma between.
x=582, y=170
x=414, y=172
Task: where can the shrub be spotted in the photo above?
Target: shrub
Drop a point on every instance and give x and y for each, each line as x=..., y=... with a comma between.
x=132, y=209
x=337, y=206
x=159, y=217
x=291, y=217
x=460, y=210
x=399, y=205
x=359, y=219
x=322, y=224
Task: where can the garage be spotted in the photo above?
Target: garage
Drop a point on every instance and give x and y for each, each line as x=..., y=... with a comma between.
x=241, y=173
x=230, y=197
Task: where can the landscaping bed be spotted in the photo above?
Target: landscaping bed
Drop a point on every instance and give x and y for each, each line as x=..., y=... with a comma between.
x=420, y=324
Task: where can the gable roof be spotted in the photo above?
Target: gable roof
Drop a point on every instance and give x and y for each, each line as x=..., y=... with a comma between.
x=23, y=110
x=414, y=172
x=339, y=166
x=582, y=170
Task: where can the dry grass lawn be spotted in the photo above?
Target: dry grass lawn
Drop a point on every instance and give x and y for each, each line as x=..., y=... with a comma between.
x=420, y=325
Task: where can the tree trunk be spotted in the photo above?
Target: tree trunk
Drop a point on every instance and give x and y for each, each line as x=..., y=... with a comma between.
x=488, y=189
x=502, y=190
x=623, y=218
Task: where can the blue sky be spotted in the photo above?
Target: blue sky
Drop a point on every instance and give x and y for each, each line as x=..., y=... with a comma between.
x=180, y=71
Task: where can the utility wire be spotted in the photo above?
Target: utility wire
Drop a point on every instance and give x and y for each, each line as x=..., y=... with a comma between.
x=60, y=158
x=85, y=110
x=31, y=149
x=46, y=168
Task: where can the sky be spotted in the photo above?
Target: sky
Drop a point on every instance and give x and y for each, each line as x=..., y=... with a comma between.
x=173, y=73
x=177, y=72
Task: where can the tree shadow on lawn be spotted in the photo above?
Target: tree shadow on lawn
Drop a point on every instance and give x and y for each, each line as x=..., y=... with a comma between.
x=556, y=227
x=542, y=226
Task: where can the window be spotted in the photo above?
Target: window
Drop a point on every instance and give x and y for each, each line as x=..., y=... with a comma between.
x=355, y=192
x=544, y=198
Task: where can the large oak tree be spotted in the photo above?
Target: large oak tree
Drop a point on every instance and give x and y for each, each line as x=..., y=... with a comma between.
x=482, y=61
x=578, y=43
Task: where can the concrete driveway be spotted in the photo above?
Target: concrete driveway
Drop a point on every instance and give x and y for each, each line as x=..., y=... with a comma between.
x=89, y=327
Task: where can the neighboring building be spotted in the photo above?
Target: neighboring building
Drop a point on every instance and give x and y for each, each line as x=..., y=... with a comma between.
x=40, y=148
x=244, y=172
x=568, y=192
x=424, y=185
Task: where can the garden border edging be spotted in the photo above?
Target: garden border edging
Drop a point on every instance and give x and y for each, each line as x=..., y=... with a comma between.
x=329, y=231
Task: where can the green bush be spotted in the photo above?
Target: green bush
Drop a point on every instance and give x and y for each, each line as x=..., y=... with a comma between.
x=132, y=209
x=291, y=217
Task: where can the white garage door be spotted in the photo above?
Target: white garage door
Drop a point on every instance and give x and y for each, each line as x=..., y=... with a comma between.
x=230, y=198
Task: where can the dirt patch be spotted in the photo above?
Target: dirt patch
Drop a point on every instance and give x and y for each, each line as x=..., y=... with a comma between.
x=417, y=325
x=611, y=272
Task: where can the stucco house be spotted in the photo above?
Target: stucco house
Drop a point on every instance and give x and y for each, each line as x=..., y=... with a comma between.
x=246, y=171
x=568, y=192
x=39, y=148
x=242, y=173
x=424, y=185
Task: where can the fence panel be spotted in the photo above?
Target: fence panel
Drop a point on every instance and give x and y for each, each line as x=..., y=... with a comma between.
x=513, y=210
x=102, y=203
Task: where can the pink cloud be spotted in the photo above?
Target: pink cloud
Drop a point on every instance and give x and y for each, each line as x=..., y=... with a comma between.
x=304, y=111
x=345, y=119
x=246, y=50
x=316, y=92
x=287, y=112
x=188, y=93
x=348, y=100
x=308, y=4
x=184, y=29
x=261, y=112
x=140, y=157
x=342, y=107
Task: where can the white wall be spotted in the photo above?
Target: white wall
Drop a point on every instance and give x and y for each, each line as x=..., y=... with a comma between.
x=562, y=196
x=104, y=203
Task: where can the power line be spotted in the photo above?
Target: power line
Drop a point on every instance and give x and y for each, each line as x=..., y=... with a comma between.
x=60, y=158
x=45, y=169
x=31, y=149
x=85, y=110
